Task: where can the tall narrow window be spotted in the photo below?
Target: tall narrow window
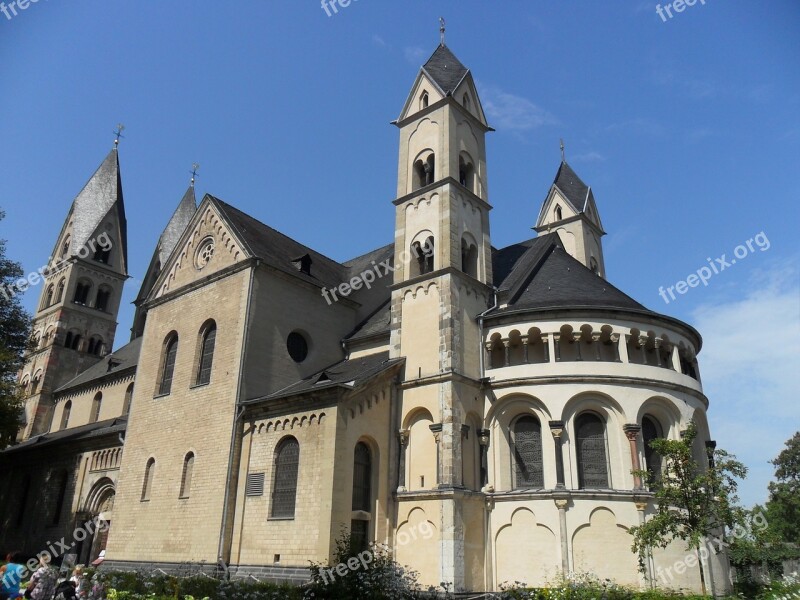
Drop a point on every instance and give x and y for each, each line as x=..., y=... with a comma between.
x=186, y=479
x=126, y=405
x=147, y=484
x=206, y=353
x=61, y=493
x=558, y=213
x=362, y=497
x=527, y=446
x=651, y=430
x=284, y=492
x=65, y=414
x=424, y=100
x=103, y=254
x=590, y=434
x=65, y=247
x=170, y=352
x=95, y=346
x=82, y=290
x=96, y=404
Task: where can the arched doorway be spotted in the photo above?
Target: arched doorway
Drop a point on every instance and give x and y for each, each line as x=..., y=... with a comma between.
x=98, y=510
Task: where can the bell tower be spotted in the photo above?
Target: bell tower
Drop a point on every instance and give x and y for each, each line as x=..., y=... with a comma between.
x=76, y=319
x=442, y=282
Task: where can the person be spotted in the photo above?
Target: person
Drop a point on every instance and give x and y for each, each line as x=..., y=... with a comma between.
x=65, y=591
x=80, y=582
x=43, y=581
x=11, y=576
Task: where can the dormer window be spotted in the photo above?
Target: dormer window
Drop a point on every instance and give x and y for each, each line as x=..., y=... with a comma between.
x=303, y=264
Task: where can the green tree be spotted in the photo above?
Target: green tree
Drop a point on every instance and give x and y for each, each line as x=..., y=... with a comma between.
x=783, y=506
x=15, y=330
x=693, y=502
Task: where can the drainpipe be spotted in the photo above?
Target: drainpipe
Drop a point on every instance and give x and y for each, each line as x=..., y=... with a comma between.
x=235, y=427
x=481, y=350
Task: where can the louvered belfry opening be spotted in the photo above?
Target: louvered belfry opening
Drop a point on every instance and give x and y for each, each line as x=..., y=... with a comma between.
x=591, y=451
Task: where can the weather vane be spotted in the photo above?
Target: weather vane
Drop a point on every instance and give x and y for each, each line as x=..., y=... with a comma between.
x=441, y=29
x=118, y=134
x=195, y=166
x=562, y=150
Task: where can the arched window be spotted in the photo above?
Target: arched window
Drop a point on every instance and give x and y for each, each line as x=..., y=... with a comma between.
x=65, y=247
x=558, y=212
x=430, y=165
x=527, y=453
x=72, y=341
x=48, y=297
x=424, y=100
x=65, y=414
x=97, y=402
x=103, y=253
x=465, y=101
x=82, y=290
x=593, y=266
x=186, y=478
x=149, y=474
x=466, y=174
x=423, y=255
x=168, y=368
x=469, y=257
x=284, y=491
x=95, y=346
x=209, y=336
x=60, y=290
x=590, y=447
x=61, y=492
x=103, y=297
x=651, y=430
x=37, y=379
x=362, y=497
x=126, y=405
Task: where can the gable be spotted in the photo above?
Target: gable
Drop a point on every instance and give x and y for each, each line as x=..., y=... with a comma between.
x=467, y=89
x=208, y=246
x=422, y=84
x=548, y=213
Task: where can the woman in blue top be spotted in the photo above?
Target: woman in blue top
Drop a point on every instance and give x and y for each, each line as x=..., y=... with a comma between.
x=11, y=576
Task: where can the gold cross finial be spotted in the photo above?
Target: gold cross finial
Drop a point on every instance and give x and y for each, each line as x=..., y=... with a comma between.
x=195, y=166
x=441, y=29
x=118, y=134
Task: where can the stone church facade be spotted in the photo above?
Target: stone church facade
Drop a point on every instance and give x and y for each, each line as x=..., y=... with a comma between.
x=479, y=410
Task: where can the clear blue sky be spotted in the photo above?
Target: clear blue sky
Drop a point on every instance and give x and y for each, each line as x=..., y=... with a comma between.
x=687, y=130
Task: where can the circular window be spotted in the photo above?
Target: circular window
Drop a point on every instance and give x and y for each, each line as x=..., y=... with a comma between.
x=204, y=253
x=297, y=346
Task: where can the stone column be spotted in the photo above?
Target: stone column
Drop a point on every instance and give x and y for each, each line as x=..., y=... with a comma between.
x=561, y=504
x=484, y=442
x=436, y=429
x=402, y=438
x=632, y=433
x=557, y=429
x=641, y=506
x=507, y=353
x=642, y=347
x=525, y=349
x=657, y=350
x=546, y=344
x=557, y=343
x=615, y=339
x=488, y=356
x=596, y=344
x=576, y=338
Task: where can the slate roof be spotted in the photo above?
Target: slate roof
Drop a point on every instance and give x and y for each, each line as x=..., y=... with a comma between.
x=110, y=366
x=73, y=434
x=577, y=192
x=539, y=273
x=169, y=238
x=377, y=323
x=348, y=374
x=445, y=69
x=101, y=194
x=278, y=250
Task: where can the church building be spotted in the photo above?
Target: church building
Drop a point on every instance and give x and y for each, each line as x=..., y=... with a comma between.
x=480, y=410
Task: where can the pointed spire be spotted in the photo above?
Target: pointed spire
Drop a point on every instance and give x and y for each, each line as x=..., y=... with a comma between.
x=445, y=69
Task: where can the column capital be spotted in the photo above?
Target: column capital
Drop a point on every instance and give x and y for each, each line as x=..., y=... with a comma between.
x=436, y=429
x=556, y=428
x=596, y=336
x=402, y=436
x=561, y=503
x=614, y=337
x=641, y=506
x=483, y=437
x=631, y=430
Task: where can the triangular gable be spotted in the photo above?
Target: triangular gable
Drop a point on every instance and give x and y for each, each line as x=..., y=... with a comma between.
x=555, y=196
x=468, y=86
x=208, y=245
x=423, y=83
